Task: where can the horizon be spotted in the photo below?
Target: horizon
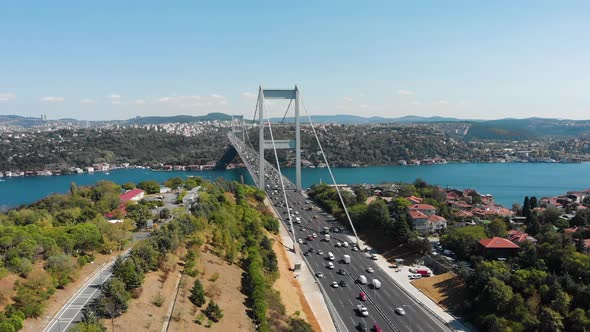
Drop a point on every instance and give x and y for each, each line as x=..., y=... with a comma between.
x=391, y=59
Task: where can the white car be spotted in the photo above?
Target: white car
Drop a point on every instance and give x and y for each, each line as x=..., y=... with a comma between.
x=330, y=265
x=345, y=244
x=400, y=311
x=338, y=244
x=300, y=241
x=374, y=257
x=335, y=284
x=363, y=311
x=314, y=235
x=415, y=276
x=319, y=275
x=370, y=270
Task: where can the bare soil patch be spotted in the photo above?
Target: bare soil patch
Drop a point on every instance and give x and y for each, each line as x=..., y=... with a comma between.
x=225, y=291
x=290, y=290
x=143, y=314
x=447, y=290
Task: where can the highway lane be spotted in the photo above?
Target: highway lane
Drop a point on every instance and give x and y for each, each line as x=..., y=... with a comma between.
x=382, y=302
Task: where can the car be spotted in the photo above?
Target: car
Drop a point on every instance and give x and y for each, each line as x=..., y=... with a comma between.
x=370, y=270
x=309, y=238
x=306, y=253
x=362, y=296
x=362, y=327
x=345, y=244
x=302, y=229
x=342, y=272
x=343, y=283
x=414, y=276
x=335, y=284
x=354, y=248
x=315, y=217
x=319, y=252
x=336, y=230
x=362, y=310
x=400, y=311
x=338, y=244
x=330, y=265
x=374, y=257
x=314, y=235
x=377, y=328
x=319, y=275
x=300, y=241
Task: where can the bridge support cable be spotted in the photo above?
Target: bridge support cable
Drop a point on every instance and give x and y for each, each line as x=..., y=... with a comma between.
x=331, y=174
x=274, y=148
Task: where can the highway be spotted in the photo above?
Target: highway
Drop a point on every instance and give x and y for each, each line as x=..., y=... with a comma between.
x=381, y=303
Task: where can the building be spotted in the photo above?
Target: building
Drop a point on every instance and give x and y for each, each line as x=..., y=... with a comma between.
x=420, y=221
x=519, y=237
x=436, y=223
x=424, y=208
x=498, y=247
x=135, y=195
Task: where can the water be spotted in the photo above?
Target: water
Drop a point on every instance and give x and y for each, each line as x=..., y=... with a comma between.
x=508, y=182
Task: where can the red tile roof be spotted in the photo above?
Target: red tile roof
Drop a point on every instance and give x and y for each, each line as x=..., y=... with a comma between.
x=498, y=243
x=422, y=207
x=414, y=199
x=417, y=215
x=127, y=196
x=435, y=218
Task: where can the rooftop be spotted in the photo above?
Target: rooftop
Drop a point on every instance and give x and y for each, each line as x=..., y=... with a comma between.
x=498, y=243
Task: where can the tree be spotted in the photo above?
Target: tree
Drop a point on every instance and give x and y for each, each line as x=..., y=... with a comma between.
x=73, y=189
x=129, y=273
x=165, y=213
x=174, y=183
x=497, y=294
x=213, y=311
x=197, y=296
x=526, y=207
x=129, y=186
x=140, y=214
x=582, y=218
x=378, y=214
x=297, y=324
x=550, y=320
x=497, y=228
x=149, y=186
x=533, y=202
x=114, y=300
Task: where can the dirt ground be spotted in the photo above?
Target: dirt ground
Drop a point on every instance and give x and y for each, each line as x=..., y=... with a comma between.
x=446, y=289
x=290, y=290
x=225, y=291
x=142, y=314
x=61, y=296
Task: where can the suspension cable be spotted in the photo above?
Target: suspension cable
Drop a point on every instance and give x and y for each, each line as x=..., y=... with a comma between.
x=330, y=170
x=287, y=111
x=280, y=177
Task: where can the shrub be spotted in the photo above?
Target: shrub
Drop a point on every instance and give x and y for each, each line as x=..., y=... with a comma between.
x=214, y=277
x=197, y=296
x=158, y=300
x=213, y=311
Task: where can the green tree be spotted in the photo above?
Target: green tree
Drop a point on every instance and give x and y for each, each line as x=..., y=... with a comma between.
x=197, y=296
x=140, y=214
x=497, y=294
x=174, y=183
x=497, y=228
x=114, y=300
x=129, y=273
x=165, y=213
x=213, y=311
x=550, y=320
x=526, y=207
x=149, y=186
x=378, y=214
x=129, y=186
x=297, y=324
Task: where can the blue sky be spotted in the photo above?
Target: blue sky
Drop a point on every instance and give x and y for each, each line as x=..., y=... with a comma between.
x=471, y=59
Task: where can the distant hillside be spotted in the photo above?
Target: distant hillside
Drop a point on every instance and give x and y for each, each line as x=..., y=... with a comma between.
x=354, y=119
x=515, y=129
x=179, y=118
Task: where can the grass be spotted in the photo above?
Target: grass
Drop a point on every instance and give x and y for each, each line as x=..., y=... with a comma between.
x=158, y=300
x=214, y=277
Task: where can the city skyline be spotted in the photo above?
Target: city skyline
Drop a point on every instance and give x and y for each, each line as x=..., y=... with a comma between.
x=102, y=61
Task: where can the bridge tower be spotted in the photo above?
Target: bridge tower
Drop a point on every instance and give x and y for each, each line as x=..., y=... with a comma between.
x=279, y=144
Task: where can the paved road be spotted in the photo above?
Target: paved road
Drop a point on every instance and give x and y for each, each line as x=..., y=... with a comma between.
x=382, y=302
x=71, y=312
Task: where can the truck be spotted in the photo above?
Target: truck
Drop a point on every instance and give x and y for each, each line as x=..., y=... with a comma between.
x=346, y=259
x=326, y=230
x=327, y=237
x=424, y=272
x=376, y=284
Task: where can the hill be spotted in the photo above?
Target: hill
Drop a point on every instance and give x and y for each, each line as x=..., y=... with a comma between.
x=179, y=119
x=355, y=119
x=515, y=129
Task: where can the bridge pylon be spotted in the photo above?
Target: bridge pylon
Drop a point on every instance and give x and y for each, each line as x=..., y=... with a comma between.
x=293, y=95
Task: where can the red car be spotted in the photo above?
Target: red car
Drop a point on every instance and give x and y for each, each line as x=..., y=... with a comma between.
x=377, y=328
x=363, y=296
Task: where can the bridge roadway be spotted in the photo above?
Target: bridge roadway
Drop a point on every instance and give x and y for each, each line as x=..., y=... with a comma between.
x=382, y=303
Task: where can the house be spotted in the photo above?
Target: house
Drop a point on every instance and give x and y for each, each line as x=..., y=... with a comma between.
x=135, y=195
x=517, y=236
x=420, y=221
x=414, y=200
x=427, y=209
x=498, y=247
x=436, y=223
x=191, y=197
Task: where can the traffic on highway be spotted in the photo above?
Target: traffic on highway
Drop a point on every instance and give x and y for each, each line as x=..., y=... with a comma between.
x=362, y=295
